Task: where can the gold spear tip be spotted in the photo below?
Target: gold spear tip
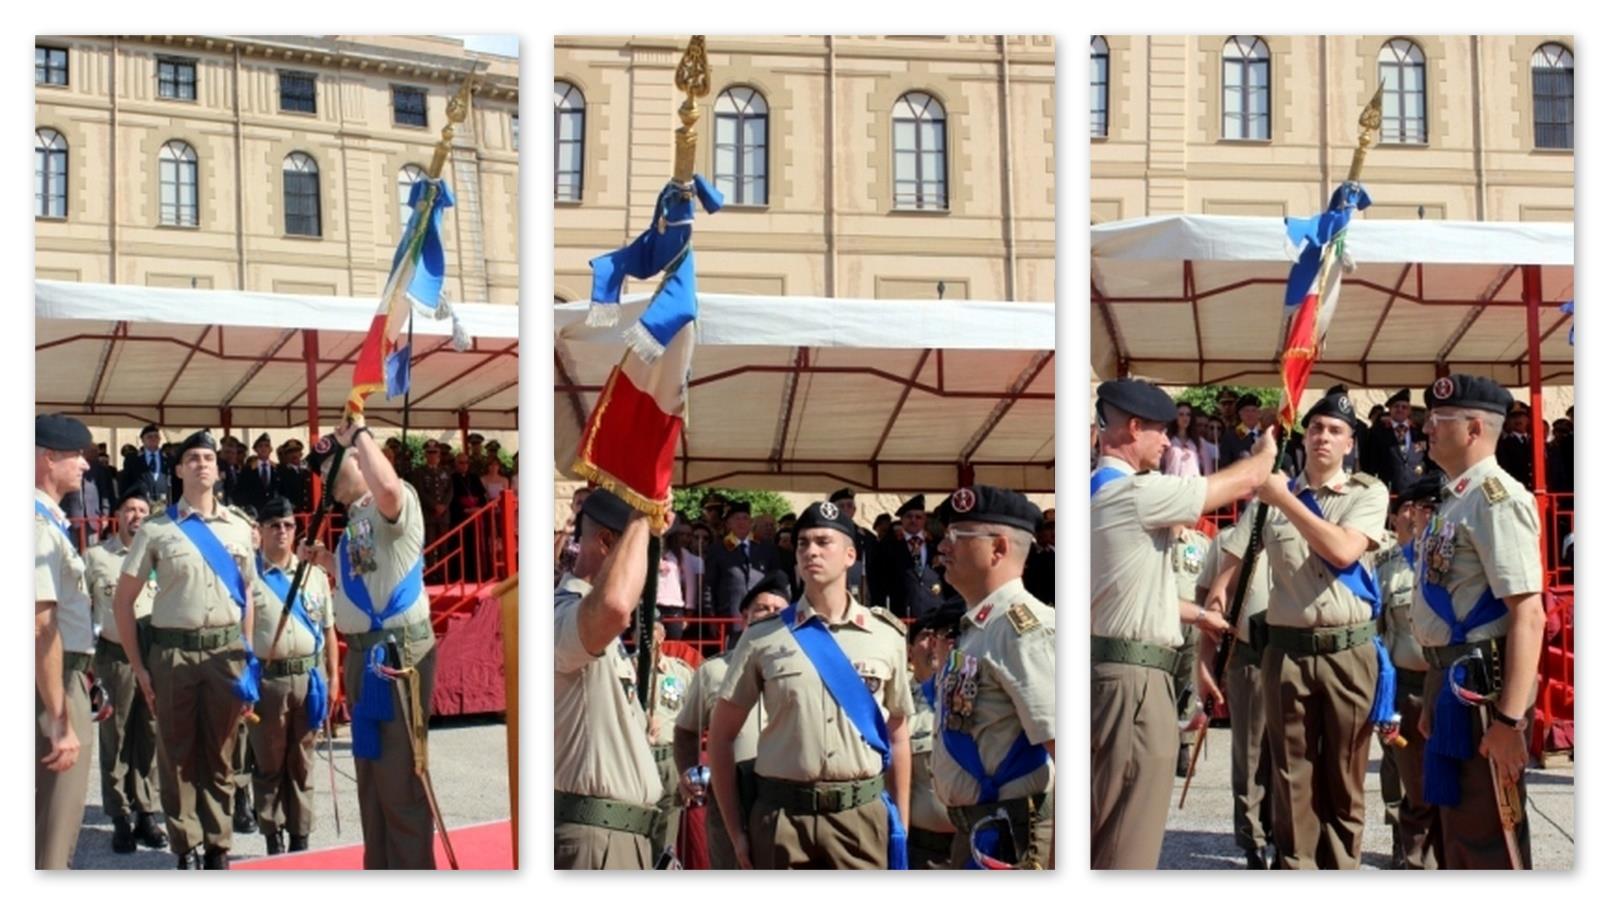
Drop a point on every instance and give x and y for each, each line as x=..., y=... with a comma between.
x=693, y=72
x=1371, y=117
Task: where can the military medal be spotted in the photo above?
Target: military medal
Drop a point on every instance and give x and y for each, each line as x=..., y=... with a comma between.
x=671, y=692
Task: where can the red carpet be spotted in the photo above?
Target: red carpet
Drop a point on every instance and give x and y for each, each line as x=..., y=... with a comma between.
x=481, y=846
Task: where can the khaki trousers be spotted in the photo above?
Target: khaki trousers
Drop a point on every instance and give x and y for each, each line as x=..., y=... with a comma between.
x=856, y=839
x=1318, y=731
x=577, y=846
x=196, y=715
x=127, y=742
x=283, y=748
x=1472, y=833
x=1134, y=743
x=1250, y=761
x=1418, y=827
x=398, y=830
x=59, y=797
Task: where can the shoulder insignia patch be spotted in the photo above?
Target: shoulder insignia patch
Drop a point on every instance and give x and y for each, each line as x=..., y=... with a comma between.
x=1364, y=479
x=1494, y=490
x=1022, y=618
x=884, y=614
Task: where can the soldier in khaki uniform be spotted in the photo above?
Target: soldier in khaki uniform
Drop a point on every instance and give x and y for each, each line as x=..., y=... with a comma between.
x=1415, y=825
x=1321, y=667
x=995, y=723
x=1479, y=594
x=672, y=680
x=929, y=642
x=604, y=781
x=820, y=783
x=1135, y=613
x=283, y=741
x=1250, y=761
x=1187, y=553
x=762, y=601
x=64, y=638
x=128, y=738
x=379, y=601
x=198, y=652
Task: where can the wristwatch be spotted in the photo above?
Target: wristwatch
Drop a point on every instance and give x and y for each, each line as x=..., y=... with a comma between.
x=354, y=439
x=1506, y=720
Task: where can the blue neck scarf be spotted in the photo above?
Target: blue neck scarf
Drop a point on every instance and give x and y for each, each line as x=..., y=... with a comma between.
x=374, y=705
x=318, y=690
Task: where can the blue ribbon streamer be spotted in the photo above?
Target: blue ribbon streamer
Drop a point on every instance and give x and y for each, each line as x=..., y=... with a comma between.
x=1312, y=234
x=374, y=706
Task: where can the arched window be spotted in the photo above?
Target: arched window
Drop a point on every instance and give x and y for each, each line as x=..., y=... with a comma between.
x=50, y=174
x=176, y=170
x=742, y=122
x=569, y=132
x=1553, y=96
x=406, y=177
x=301, y=195
x=1100, y=85
x=1402, y=72
x=919, y=164
x=1246, y=88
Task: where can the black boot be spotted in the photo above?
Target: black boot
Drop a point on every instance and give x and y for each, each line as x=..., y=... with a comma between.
x=298, y=843
x=122, y=836
x=148, y=832
x=276, y=842
x=190, y=860
x=1254, y=860
x=245, y=815
x=215, y=858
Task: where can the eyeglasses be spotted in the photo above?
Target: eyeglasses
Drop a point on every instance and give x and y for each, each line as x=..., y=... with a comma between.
x=280, y=526
x=1435, y=417
x=955, y=534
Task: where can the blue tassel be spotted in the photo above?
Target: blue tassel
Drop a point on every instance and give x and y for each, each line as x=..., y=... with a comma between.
x=318, y=699
x=1450, y=744
x=1384, y=710
x=374, y=707
x=249, y=682
x=898, y=854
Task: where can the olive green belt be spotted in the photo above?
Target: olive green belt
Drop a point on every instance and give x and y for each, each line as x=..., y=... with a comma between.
x=1021, y=811
x=111, y=650
x=605, y=813
x=199, y=639
x=408, y=634
x=1308, y=641
x=73, y=661
x=290, y=666
x=662, y=753
x=1443, y=657
x=1134, y=653
x=819, y=797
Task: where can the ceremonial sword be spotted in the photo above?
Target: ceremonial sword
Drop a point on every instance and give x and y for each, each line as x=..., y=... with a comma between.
x=417, y=743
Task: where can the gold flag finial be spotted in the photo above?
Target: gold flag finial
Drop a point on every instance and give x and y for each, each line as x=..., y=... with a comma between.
x=457, y=112
x=692, y=79
x=1368, y=134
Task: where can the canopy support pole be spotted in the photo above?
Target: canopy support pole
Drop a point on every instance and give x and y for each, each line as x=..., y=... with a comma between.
x=463, y=429
x=1531, y=288
x=310, y=356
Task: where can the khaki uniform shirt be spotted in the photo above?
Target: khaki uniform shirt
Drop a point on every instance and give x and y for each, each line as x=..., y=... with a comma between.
x=189, y=595
x=1396, y=587
x=1133, y=594
x=1257, y=589
x=103, y=565
x=927, y=812
x=702, y=695
x=1485, y=535
x=1189, y=558
x=297, y=641
x=807, y=737
x=673, y=680
x=382, y=553
x=1307, y=594
x=1007, y=652
x=59, y=576
x=600, y=733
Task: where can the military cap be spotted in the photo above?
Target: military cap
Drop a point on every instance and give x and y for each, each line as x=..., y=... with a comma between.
x=322, y=451
x=1248, y=400
x=825, y=515
x=1337, y=406
x=775, y=582
x=295, y=444
x=137, y=492
x=741, y=507
x=788, y=518
x=841, y=494
x=1138, y=398
x=1339, y=388
x=1399, y=396
x=475, y=438
x=1470, y=392
x=1429, y=487
x=944, y=620
x=261, y=439
x=1227, y=395
x=994, y=506
x=712, y=500
x=60, y=433
x=148, y=430
x=432, y=446
x=277, y=507
x=916, y=503
x=201, y=439
x=607, y=510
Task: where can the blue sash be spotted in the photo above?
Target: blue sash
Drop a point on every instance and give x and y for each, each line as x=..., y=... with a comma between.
x=1361, y=582
x=318, y=690
x=1104, y=475
x=1452, y=733
x=374, y=705
x=402, y=596
x=50, y=517
x=857, y=703
x=929, y=689
x=223, y=565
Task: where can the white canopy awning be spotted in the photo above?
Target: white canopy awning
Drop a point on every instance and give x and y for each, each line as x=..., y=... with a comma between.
x=1197, y=299
x=793, y=393
x=116, y=354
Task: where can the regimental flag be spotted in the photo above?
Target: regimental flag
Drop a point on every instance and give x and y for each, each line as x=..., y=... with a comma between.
x=1319, y=246
x=418, y=270
x=629, y=444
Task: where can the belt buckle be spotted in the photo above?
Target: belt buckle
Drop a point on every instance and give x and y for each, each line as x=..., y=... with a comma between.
x=830, y=799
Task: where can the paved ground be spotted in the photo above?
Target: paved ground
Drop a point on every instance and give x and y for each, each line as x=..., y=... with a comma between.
x=468, y=763
x=1201, y=837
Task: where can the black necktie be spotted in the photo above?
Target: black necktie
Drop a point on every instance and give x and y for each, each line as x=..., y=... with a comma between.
x=151, y=460
x=265, y=474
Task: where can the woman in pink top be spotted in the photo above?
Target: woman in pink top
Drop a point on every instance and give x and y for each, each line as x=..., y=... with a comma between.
x=1189, y=454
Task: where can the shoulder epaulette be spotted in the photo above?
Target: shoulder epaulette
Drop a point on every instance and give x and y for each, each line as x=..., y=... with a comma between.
x=1022, y=618
x=884, y=614
x=1364, y=479
x=1494, y=490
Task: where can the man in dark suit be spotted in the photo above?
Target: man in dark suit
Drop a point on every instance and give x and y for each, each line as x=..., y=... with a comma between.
x=738, y=562
x=1039, y=576
x=865, y=544
x=1514, y=446
x=903, y=578
x=150, y=468
x=258, y=483
x=1238, y=440
x=295, y=481
x=1395, y=451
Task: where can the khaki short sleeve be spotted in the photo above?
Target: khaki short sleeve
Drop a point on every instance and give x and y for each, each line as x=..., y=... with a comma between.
x=44, y=564
x=141, y=559
x=1164, y=500
x=1210, y=564
x=1507, y=538
x=1367, y=515
x=1028, y=672
x=1234, y=539
x=692, y=712
x=569, y=654
x=897, y=694
x=742, y=685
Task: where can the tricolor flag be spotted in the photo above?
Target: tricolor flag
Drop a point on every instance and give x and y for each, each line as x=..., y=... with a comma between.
x=629, y=444
x=1319, y=245
x=418, y=270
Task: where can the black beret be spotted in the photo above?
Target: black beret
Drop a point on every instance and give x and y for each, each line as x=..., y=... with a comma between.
x=1399, y=396
x=201, y=439
x=775, y=582
x=61, y=433
x=322, y=450
x=841, y=494
x=1470, y=392
x=741, y=507
x=916, y=503
x=994, y=506
x=149, y=429
x=607, y=510
x=249, y=510
x=277, y=507
x=1339, y=388
x=1429, y=487
x=945, y=620
x=825, y=515
x=788, y=518
x=1337, y=406
x=1138, y=398
x=137, y=492
x=261, y=439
